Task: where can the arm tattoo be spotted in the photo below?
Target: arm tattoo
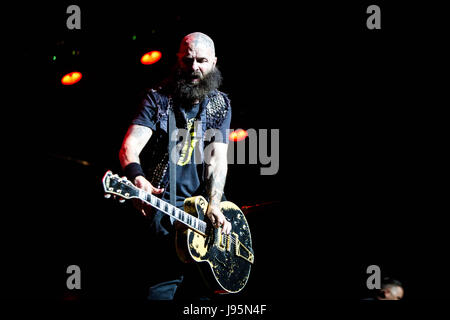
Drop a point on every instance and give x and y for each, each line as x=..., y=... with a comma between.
x=137, y=131
x=215, y=183
x=135, y=140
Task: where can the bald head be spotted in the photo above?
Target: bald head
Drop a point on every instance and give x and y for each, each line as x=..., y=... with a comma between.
x=391, y=292
x=196, y=40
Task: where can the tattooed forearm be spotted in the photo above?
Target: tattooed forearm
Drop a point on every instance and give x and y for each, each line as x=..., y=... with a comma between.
x=133, y=143
x=127, y=156
x=216, y=172
x=215, y=182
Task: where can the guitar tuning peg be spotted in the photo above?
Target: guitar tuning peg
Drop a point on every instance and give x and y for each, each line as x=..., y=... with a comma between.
x=107, y=195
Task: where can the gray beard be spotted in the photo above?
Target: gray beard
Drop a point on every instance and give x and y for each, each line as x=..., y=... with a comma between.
x=188, y=93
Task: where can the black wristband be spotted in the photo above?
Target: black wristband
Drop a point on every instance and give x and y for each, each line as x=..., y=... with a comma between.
x=133, y=170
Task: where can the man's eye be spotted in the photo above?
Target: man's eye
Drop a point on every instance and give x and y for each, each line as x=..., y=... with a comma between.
x=191, y=60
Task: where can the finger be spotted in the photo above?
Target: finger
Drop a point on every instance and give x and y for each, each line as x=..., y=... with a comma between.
x=145, y=209
x=157, y=191
x=227, y=228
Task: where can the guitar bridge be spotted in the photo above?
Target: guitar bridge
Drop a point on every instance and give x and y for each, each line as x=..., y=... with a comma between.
x=245, y=254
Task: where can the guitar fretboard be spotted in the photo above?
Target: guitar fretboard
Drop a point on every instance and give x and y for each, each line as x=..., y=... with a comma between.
x=124, y=188
x=173, y=211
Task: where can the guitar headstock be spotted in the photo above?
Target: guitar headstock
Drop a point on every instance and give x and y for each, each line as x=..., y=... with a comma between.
x=122, y=187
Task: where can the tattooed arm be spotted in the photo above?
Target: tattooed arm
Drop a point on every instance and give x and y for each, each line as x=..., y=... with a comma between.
x=133, y=143
x=216, y=172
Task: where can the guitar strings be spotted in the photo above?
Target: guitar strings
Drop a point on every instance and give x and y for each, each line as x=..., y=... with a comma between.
x=233, y=240
x=227, y=236
x=147, y=195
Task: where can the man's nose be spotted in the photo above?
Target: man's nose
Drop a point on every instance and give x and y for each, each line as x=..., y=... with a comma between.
x=195, y=65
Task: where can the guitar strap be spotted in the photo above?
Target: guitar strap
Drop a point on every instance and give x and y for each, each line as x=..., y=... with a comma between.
x=173, y=156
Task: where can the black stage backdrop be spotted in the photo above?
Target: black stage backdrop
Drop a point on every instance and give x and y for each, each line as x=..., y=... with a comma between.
x=360, y=116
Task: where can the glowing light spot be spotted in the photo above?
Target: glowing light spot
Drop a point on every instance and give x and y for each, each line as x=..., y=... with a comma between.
x=71, y=78
x=151, y=57
x=238, y=135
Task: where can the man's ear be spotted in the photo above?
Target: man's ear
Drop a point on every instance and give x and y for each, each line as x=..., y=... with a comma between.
x=215, y=62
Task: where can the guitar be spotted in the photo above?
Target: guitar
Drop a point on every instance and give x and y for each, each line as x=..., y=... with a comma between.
x=224, y=260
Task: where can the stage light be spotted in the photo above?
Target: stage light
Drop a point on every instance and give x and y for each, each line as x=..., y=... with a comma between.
x=238, y=135
x=71, y=78
x=151, y=57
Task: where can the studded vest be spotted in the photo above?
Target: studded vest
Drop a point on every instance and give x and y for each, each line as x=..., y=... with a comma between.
x=213, y=111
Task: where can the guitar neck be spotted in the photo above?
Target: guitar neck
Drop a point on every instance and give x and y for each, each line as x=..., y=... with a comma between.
x=178, y=214
x=113, y=184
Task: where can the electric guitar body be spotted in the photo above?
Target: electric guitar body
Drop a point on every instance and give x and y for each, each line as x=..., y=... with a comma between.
x=224, y=260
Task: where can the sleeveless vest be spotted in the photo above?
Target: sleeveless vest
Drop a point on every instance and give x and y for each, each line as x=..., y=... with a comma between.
x=213, y=111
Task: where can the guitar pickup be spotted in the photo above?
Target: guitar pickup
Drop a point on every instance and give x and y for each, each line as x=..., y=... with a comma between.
x=223, y=241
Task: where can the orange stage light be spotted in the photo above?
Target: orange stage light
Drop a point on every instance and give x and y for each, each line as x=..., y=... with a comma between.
x=71, y=78
x=151, y=57
x=238, y=135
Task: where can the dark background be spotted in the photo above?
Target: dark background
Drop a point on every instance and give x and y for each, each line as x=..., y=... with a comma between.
x=361, y=178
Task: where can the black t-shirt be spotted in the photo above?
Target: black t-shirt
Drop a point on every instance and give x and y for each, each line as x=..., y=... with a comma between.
x=188, y=180
x=189, y=166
